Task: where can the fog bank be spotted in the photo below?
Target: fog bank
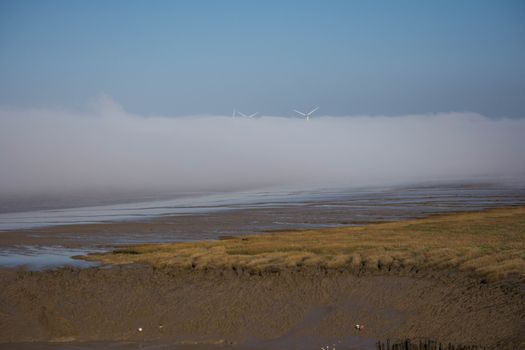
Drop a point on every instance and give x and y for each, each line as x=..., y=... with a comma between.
x=58, y=150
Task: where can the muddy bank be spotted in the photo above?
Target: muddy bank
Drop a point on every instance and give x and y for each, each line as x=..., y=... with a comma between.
x=235, y=309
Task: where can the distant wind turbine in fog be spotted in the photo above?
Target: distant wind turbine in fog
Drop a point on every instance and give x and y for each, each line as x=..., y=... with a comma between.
x=251, y=116
x=308, y=114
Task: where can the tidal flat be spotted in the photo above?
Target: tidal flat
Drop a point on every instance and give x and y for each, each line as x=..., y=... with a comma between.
x=456, y=278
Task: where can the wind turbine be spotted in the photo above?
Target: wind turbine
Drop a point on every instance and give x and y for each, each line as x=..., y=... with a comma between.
x=251, y=116
x=306, y=115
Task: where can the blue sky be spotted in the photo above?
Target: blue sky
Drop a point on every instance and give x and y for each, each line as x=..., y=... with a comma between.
x=200, y=57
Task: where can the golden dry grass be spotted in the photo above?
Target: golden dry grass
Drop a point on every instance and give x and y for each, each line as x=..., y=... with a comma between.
x=490, y=243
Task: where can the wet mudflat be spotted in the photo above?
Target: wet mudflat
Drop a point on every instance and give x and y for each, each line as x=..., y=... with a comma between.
x=234, y=309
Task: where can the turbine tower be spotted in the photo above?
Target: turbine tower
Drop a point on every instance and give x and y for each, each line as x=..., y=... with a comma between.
x=307, y=115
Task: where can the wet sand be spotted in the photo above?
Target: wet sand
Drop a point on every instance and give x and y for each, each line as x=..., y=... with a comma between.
x=292, y=309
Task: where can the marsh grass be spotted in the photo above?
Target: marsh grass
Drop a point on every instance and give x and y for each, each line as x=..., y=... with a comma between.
x=489, y=243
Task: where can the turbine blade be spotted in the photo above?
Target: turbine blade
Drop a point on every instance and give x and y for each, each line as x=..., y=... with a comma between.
x=301, y=113
x=313, y=110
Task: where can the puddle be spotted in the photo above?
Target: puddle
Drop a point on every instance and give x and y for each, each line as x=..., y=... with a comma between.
x=295, y=340
x=39, y=258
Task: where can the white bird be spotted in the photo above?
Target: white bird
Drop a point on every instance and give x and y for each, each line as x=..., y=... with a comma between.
x=306, y=115
x=251, y=116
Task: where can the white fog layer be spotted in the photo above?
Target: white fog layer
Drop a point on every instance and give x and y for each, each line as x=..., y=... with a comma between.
x=57, y=150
